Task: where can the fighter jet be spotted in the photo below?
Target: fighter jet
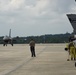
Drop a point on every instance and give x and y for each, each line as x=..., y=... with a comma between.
x=8, y=39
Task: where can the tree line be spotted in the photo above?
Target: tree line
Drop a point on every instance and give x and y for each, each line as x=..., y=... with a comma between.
x=48, y=38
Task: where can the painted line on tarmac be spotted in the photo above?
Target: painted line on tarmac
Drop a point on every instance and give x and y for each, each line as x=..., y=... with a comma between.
x=25, y=62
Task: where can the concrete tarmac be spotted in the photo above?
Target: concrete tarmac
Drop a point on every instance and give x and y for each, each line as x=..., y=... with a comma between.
x=51, y=59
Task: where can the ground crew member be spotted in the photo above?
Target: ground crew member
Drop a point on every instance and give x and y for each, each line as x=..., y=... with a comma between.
x=32, y=48
x=72, y=51
x=75, y=47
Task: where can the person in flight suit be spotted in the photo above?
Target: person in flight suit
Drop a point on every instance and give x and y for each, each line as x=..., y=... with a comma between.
x=32, y=48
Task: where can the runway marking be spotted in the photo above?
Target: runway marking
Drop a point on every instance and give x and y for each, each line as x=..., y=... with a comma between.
x=25, y=62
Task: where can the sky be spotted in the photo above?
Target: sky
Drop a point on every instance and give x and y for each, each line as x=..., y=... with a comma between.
x=35, y=17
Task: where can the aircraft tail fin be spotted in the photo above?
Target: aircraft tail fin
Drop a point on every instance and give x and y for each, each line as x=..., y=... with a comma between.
x=10, y=33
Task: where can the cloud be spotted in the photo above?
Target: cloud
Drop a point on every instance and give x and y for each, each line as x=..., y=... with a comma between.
x=37, y=8
x=36, y=16
x=11, y=5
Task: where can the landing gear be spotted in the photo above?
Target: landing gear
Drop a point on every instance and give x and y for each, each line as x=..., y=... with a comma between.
x=75, y=64
x=4, y=44
x=12, y=44
x=7, y=42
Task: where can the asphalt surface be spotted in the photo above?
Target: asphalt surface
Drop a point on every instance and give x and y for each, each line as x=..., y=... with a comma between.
x=51, y=59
